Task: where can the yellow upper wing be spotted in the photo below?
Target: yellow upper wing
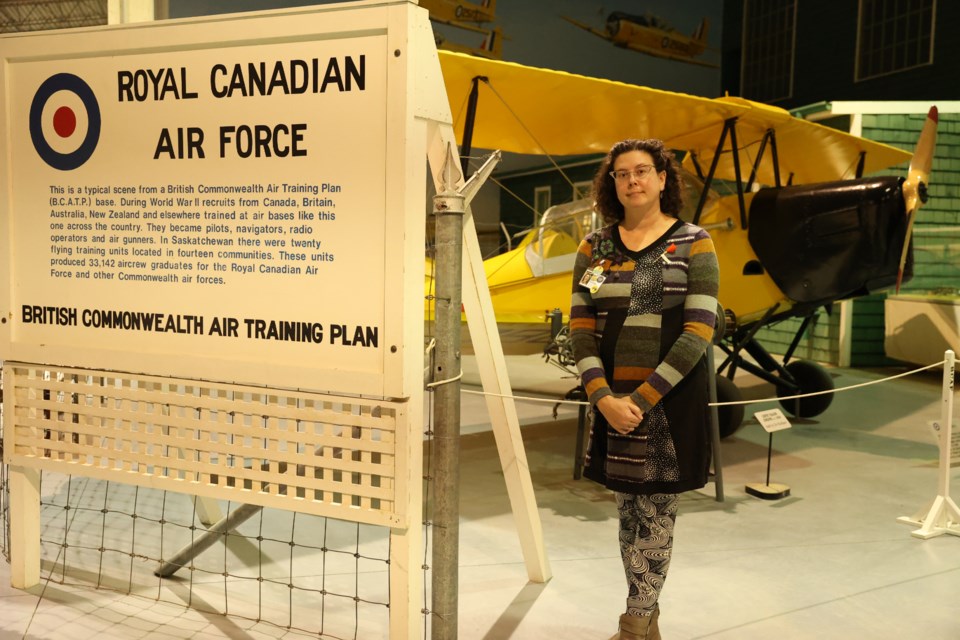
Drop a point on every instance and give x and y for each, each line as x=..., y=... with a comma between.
x=530, y=110
x=538, y=111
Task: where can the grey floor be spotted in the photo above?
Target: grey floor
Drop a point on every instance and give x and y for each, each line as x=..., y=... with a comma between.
x=829, y=561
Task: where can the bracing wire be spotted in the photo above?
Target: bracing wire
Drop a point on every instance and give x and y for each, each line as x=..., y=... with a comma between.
x=530, y=133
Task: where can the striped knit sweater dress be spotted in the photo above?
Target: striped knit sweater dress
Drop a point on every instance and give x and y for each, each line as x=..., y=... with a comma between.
x=644, y=332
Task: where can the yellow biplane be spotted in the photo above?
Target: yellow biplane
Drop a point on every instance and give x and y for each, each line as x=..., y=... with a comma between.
x=651, y=35
x=785, y=251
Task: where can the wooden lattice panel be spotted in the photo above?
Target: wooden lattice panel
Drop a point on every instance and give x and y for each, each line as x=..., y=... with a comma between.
x=314, y=453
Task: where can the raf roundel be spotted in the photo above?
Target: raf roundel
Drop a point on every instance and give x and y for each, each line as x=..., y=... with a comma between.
x=65, y=121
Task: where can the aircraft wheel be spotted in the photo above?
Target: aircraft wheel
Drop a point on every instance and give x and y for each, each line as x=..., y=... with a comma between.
x=729, y=417
x=810, y=377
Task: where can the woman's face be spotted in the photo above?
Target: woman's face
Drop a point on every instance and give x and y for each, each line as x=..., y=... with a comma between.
x=637, y=180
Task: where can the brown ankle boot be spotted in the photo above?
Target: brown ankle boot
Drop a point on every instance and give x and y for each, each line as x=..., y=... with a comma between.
x=654, y=633
x=639, y=627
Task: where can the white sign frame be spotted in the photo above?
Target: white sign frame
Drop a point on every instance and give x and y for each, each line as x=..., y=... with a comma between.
x=396, y=313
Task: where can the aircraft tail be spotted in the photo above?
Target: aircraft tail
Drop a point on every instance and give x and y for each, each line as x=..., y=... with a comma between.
x=700, y=34
x=493, y=42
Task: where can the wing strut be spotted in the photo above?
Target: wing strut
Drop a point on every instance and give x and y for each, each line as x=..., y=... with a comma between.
x=696, y=164
x=729, y=126
x=776, y=158
x=768, y=136
x=736, y=172
x=465, y=147
x=713, y=169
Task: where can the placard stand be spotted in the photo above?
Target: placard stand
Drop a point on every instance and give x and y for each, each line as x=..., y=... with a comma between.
x=772, y=420
x=942, y=516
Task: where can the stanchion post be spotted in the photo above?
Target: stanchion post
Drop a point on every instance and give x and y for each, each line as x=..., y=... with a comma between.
x=946, y=423
x=942, y=516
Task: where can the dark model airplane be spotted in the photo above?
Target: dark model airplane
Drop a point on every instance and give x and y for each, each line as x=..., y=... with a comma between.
x=651, y=35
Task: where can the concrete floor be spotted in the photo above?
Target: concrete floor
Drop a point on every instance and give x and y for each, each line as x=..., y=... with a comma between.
x=828, y=562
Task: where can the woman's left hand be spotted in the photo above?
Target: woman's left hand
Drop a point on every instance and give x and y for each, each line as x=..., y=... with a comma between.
x=621, y=413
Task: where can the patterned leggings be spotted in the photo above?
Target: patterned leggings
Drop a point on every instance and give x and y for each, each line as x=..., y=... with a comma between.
x=646, y=542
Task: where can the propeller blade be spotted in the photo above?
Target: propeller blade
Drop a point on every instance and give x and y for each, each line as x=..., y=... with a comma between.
x=915, y=186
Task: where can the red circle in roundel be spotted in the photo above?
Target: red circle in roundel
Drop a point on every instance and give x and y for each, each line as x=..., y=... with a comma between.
x=64, y=122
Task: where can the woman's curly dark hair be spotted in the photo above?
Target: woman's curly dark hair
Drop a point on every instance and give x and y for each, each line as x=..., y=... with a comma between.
x=605, y=191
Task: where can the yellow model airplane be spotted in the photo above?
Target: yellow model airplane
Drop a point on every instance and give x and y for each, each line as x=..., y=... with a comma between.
x=651, y=35
x=468, y=16
x=456, y=12
x=784, y=251
x=490, y=47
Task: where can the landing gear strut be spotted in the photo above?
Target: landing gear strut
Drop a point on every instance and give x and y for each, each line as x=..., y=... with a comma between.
x=790, y=378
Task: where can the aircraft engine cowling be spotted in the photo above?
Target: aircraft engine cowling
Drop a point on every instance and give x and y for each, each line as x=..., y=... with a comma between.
x=829, y=241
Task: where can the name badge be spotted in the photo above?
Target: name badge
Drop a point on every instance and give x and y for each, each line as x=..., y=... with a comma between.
x=593, y=278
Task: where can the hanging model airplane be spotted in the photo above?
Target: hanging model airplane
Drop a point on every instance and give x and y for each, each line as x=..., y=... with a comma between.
x=490, y=47
x=458, y=13
x=469, y=16
x=784, y=251
x=651, y=35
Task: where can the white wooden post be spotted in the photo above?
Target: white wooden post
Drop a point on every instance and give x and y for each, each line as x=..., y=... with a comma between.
x=25, y=526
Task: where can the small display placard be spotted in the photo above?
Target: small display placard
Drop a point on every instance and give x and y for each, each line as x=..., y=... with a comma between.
x=772, y=420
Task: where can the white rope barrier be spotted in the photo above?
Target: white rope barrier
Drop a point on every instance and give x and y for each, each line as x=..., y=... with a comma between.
x=820, y=393
x=527, y=398
x=943, y=514
x=711, y=404
x=432, y=385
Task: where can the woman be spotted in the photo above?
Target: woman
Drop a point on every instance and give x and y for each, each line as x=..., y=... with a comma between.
x=642, y=316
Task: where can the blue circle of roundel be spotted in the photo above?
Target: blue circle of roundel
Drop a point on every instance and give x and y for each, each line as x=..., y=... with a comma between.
x=65, y=82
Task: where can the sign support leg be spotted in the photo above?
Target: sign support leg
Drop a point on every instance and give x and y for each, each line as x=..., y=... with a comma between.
x=24, y=526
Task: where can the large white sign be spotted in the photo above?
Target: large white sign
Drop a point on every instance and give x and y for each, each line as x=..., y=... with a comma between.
x=224, y=199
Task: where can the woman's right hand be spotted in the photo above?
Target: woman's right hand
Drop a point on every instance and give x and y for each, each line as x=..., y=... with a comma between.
x=621, y=413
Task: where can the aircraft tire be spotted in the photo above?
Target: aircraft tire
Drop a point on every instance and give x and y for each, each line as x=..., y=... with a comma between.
x=811, y=377
x=729, y=418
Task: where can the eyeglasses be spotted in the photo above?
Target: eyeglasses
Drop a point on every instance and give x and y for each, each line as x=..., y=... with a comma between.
x=641, y=171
